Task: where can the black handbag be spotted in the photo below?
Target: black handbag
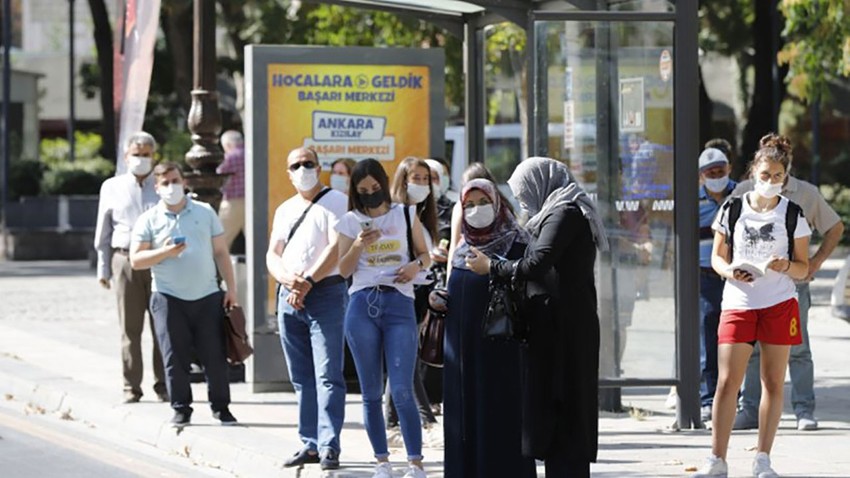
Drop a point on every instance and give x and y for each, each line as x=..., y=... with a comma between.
x=504, y=319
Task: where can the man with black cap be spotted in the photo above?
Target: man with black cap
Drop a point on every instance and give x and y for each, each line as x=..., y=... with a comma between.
x=716, y=186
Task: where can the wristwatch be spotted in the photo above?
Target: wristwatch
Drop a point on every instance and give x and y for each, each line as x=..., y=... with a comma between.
x=310, y=280
x=420, y=263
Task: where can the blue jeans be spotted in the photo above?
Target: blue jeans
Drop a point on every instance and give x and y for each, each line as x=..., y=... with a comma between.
x=312, y=341
x=710, y=296
x=800, y=366
x=381, y=325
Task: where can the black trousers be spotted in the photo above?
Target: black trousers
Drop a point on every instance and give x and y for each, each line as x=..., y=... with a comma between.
x=186, y=329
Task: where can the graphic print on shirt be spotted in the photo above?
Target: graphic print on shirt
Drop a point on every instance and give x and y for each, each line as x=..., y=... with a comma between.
x=385, y=252
x=759, y=240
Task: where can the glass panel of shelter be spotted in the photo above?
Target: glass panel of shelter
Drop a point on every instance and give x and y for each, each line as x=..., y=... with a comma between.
x=610, y=108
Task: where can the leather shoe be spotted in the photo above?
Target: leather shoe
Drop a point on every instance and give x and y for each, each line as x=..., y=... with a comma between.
x=302, y=457
x=330, y=460
x=131, y=397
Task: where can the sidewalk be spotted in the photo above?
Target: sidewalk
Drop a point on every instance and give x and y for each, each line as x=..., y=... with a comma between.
x=60, y=349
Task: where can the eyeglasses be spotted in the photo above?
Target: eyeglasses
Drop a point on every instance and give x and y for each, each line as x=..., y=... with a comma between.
x=305, y=164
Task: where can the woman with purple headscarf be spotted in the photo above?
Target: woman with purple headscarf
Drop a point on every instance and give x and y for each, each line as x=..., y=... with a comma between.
x=481, y=401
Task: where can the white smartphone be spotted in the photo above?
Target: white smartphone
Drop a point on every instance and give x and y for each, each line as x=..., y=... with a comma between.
x=366, y=224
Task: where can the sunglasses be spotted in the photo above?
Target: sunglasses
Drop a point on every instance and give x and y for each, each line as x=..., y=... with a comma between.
x=305, y=164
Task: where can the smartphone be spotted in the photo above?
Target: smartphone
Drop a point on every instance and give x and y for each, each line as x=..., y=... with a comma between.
x=366, y=224
x=179, y=239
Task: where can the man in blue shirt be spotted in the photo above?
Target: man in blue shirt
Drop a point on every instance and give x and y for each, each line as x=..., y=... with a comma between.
x=182, y=241
x=716, y=186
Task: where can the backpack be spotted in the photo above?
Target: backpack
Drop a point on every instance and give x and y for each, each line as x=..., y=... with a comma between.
x=732, y=208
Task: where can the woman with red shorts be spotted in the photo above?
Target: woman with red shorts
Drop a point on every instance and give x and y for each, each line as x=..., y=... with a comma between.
x=759, y=299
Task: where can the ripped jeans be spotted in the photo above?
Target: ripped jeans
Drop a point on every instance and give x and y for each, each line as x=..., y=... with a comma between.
x=380, y=325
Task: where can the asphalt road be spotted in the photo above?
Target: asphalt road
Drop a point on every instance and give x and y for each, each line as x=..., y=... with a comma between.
x=45, y=446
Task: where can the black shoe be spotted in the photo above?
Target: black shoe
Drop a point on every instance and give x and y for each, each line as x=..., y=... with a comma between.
x=132, y=397
x=225, y=417
x=330, y=460
x=181, y=418
x=302, y=457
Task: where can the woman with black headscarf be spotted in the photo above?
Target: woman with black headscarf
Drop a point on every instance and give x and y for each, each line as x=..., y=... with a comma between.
x=560, y=365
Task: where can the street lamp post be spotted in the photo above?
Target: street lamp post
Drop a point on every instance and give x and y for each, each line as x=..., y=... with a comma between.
x=204, y=116
x=71, y=90
x=7, y=95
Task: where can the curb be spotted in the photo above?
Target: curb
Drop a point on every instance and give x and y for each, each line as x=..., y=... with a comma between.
x=49, y=393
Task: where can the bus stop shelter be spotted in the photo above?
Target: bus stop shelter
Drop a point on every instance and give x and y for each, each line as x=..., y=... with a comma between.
x=618, y=79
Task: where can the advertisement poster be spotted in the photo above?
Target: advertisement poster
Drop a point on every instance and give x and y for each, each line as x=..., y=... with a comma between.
x=631, y=105
x=345, y=111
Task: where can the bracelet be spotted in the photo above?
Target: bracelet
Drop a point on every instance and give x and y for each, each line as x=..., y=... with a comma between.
x=310, y=280
x=787, y=268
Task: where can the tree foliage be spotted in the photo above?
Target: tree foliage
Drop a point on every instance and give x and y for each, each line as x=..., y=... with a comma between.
x=817, y=33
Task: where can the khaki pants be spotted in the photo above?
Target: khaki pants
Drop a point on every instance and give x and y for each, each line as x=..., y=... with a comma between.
x=133, y=291
x=232, y=215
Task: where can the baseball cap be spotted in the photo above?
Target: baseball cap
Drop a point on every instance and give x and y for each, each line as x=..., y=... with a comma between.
x=711, y=157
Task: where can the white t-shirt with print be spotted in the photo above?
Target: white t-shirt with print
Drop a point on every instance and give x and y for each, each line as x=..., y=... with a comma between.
x=313, y=235
x=758, y=236
x=386, y=255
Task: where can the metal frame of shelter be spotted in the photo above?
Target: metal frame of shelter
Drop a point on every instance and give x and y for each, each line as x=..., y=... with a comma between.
x=467, y=19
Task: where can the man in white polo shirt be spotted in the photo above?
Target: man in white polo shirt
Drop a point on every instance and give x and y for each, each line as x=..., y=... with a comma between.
x=303, y=258
x=182, y=241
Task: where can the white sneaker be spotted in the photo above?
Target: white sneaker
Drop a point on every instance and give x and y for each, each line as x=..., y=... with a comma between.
x=383, y=470
x=433, y=436
x=715, y=467
x=761, y=467
x=394, y=438
x=807, y=423
x=414, y=471
x=672, y=398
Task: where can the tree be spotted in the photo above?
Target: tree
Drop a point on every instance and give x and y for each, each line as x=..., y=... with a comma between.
x=818, y=45
x=103, y=44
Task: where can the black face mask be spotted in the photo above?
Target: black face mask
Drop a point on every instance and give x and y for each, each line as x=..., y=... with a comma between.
x=372, y=200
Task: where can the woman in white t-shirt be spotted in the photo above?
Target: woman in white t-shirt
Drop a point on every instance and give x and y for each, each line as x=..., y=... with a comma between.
x=412, y=186
x=759, y=300
x=380, y=323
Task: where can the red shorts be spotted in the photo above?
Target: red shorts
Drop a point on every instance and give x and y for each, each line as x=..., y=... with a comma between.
x=778, y=325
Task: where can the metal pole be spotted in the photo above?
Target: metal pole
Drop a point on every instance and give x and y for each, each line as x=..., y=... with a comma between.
x=7, y=97
x=71, y=76
x=686, y=145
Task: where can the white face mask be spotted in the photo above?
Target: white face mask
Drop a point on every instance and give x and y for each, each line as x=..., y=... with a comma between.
x=480, y=217
x=139, y=165
x=305, y=179
x=766, y=189
x=417, y=192
x=339, y=182
x=717, y=185
x=171, y=194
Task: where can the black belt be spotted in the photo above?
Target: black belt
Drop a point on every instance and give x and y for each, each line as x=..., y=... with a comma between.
x=384, y=288
x=708, y=271
x=330, y=280
x=121, y=250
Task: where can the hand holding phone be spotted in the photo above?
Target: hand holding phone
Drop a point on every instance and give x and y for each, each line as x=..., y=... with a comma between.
x=366, y=224
x=179, y=240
